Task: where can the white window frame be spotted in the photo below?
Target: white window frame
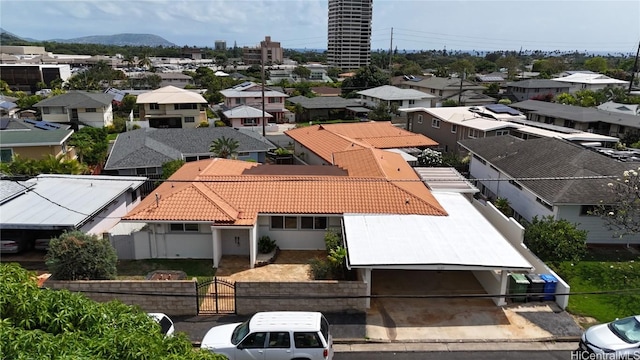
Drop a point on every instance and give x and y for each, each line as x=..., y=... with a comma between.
x=186, y=227
x=454, y=128
x=435, y=123
x=474, y=133
x=420, y=119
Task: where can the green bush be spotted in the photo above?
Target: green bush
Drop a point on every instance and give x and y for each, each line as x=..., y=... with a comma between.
x=78, y=256
x=555, y=240
x=220, y=123
x=321, y=269
x=266, y=244
x=203, y=124
x=332, y=240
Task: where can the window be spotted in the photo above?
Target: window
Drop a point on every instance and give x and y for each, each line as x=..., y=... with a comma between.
x=274, y=100
x=304, y=340
x=146, y=171
x=435, y=123
x=255, y=340
x=280, y=340
x=313, y=222
x=419, y=119
x=189, y=119
x=45, y=110
x=239, y=101
x=502, y=132
x=514, y=183
x=249, y=121
x=154, y=106
x=185, y=106
x=411, y=102
x=284, y=222
x=90, y=110
x=474, y=133
x=569, y=124
x=6, y=155
x=184, y=227
x=454, y=128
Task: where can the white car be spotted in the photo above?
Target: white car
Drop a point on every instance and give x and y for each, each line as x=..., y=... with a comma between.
x=273, y=335
x=166, y=325
x=617, y=339
x=42, y=244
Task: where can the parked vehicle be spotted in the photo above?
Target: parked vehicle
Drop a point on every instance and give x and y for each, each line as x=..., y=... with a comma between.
x=12, y=246
x=273, y=335
x=166, y=325
x=617, y=339
x=42, y=244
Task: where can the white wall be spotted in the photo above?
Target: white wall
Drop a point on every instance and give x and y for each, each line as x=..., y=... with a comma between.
x=598, y=231
x=109, y=216
x=296, y=239
x=492, y=283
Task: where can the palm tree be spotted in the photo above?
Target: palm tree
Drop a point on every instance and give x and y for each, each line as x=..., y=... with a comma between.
x=224, y=147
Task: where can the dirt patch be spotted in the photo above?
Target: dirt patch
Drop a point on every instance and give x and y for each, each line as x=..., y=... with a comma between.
x=584, y=321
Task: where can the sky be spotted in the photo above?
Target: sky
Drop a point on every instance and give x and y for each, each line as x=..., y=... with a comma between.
x=565, y=25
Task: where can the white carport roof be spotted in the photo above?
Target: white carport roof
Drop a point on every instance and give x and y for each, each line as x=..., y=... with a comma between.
x=464, y=240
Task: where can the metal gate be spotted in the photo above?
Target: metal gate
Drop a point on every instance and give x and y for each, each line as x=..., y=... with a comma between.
x=217, y=296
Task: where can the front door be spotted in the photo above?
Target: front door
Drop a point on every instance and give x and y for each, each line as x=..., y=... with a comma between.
x=235, y=242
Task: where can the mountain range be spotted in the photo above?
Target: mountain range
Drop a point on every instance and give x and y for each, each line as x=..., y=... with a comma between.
x=7, y=37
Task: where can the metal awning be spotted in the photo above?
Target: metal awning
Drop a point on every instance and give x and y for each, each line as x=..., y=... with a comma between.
x=463, y=240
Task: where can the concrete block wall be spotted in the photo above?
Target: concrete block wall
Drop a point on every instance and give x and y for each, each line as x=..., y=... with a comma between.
x=325, y=296
x=172, y=297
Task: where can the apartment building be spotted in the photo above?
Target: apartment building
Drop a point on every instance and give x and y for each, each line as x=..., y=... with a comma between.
x=269, y=52
x=349, y=33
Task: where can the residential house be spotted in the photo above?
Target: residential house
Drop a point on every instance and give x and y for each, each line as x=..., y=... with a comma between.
x=318, y=144
x=586, y=81
x=29, y=142
x=628, y=109
x=548, y=177
x=8, y=107
x=395, y=97
x=472, y=98
x=443, y=88
x=251, y=94
x=176, y=79
x=581, y=118
x=172, y=107
x=495, y=77
x=535, y=88
x=327, y=108
x=248, y=116
x=49, y=204
x=142, y=152
x=449, y=125
x=326, y=91
x=78, y=108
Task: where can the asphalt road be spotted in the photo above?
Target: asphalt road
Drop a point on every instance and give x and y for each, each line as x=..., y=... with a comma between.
x=458, y=355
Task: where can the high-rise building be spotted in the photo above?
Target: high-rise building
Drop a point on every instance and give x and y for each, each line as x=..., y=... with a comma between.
x=349, y=33
x=220, y=45
x=269, y=52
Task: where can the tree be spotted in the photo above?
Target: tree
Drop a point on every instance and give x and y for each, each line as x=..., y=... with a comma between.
x=365, y=78
x=382, y=112
x=75, y=255
x=566, y=99
x=620, y=206
x=597, y=64
x=224, y=147
x=49, y=324
x=302, y=71
x=93, y=144
x=171, y=167
x=511, y=63
x=555, y=240
x=450, y=103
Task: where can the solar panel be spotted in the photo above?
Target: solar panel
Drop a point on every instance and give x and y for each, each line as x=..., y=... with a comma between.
x=502, y=109
x=4, y=123
x=30, y=121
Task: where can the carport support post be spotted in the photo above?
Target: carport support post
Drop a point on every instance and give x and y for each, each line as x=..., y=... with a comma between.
x=504, y=280
x=366, y=276
x=217, y=246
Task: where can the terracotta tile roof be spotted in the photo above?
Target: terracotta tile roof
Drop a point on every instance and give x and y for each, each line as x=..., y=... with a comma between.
x=326, y=139
x=216, y=190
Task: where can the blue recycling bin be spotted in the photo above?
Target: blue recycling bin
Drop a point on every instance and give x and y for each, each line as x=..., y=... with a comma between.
x=550, y=283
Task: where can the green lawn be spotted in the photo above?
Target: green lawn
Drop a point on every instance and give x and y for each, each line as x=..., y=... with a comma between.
x=138, y=269
x=604, y=269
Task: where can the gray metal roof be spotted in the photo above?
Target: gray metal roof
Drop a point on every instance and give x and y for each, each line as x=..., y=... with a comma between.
x=576, y=113
x=442, y=83
x=551, y=157
x=150, y=147
x=77, y=99
x=63, y=201
x=34, y=137
x=538, y=84
x=323, y=102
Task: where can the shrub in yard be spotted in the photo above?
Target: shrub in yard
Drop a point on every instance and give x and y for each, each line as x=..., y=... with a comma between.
x=321, y=269
x=78, y=256
x=555, y=240
x=332, y=240
x=266, y=245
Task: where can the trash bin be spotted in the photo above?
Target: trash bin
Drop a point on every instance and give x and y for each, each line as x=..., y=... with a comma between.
x=550, y=283
x=536, y=286
x=518, y=284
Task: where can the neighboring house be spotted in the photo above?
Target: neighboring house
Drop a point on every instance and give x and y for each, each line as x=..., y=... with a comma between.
x=628, y=109
x=443, y=88
x=327, y=108
x=472, y=98
x=47, y=205
x=8, y=106
x=248, y=116
x=448, y=125
x=318, y=144
x=176, y=79
x=528, y=89
x=326, y=91
x=142, y=152
x=495, y=77
x=251, y=94
x=581, y=118
x=78, y=108
x=172, y=107
x=221, y=207
x=33, y=143
x=395, y=97
x=586, y=81
x=548, y=177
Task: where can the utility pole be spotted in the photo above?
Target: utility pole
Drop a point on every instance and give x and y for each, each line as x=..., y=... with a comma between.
x=462, y=76
x=391, y=57
x=635, y=68
x=262, y=60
